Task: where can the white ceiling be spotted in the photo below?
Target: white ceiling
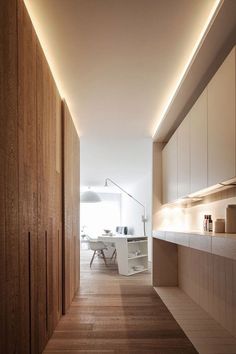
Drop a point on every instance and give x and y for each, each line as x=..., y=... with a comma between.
x=125, y=161
x=117, y=61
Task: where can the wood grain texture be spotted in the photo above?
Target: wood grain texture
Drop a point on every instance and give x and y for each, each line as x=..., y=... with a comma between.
x=115, y=314
x=27, y=152
x=9, y=238
x=71, y=202
x=42, y=197
x=30, y=188
x=165, y=263
x=49, y=202
x=210, y=281
x=207, y=335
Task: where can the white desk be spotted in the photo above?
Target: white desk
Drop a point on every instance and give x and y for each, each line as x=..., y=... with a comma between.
x=132, y=256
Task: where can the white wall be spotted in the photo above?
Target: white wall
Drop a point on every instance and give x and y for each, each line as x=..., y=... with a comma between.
x=129, y=163
x=141, y=189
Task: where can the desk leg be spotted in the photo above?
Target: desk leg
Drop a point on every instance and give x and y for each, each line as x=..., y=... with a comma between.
x=165, y=263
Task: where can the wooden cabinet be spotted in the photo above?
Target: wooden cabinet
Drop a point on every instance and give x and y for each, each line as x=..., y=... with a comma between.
x=198, y=144
x=10, y=322
x=221, y=123
x=27, y=164
x=206, y=139
x=71, y=202
x=183, y=161
x=42, y=248
x=30, y=189
x=49, y=249
x=170, y=170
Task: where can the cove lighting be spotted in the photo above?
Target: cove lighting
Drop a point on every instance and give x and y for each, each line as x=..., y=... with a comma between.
x=199, y=195
x=49, y=59
x=203, y=33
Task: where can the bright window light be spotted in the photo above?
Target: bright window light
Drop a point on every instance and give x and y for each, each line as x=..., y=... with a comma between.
x=95, y=217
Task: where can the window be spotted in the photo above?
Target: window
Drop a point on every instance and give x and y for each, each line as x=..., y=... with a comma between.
x=95, y=217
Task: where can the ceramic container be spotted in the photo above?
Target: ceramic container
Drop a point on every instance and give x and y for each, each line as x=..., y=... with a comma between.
x=219, y=226
x=231, y=219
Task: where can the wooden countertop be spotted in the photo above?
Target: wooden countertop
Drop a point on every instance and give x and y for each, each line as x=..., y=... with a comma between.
x=219, y=244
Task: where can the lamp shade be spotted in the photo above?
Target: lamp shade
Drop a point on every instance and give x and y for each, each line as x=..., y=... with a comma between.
x=90, y=197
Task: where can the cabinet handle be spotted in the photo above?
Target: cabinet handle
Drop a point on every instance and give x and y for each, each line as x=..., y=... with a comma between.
x=58, y=282
x=30, y=281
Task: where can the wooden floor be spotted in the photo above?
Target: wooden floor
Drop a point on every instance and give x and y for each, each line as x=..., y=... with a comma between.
x=117, y=314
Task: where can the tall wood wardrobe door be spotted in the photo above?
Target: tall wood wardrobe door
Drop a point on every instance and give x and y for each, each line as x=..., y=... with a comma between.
x=56, y=188
x=53, y=187
x=71, y=202
x=27, y=178
x=42, y=249
x=9, y=256
x=49, y=201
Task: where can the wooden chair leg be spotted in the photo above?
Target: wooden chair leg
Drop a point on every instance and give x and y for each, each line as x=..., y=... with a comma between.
x=103, y=256
x=92, y=258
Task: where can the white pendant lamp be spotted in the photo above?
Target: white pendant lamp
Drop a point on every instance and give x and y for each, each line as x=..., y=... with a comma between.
x=90, y=197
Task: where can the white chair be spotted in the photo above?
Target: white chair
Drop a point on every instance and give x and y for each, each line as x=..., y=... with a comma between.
x=97, y=247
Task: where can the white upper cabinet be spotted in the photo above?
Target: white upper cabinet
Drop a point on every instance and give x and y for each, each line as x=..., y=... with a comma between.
x=221, y=123
x=202, y=151
x=198, y=144
x=169, y=170
x=183, y=133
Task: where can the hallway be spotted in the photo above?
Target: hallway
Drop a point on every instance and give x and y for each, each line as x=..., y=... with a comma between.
x=116, y=314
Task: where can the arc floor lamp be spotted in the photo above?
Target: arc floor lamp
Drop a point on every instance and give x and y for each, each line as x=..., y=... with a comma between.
x=144, y=217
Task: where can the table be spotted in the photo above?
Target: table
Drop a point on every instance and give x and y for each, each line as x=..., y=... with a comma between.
x=132, y=252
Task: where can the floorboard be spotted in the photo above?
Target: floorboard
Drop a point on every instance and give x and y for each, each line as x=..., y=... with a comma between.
x=117, y=314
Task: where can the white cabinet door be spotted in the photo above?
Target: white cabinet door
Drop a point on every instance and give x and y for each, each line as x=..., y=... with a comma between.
x=183, y=133
x=169, y=170
x=221, y=123
x=198, y=144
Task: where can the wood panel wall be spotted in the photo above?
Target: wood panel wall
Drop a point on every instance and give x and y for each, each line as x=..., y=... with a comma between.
x=9, y=193
x=71, y=204
x=30, y=188
x=27, y=161
x=210, y=281
x=49, y=247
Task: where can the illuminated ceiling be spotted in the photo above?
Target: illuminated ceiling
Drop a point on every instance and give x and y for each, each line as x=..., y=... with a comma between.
x=118, y=63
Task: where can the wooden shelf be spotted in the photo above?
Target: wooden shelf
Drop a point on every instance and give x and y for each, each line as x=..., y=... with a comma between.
x=206, y=334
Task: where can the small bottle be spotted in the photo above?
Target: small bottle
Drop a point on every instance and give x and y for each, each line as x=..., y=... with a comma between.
x=205, y=223
x=210, y=223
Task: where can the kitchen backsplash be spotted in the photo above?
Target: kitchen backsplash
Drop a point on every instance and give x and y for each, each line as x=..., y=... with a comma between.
x=190, y=218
